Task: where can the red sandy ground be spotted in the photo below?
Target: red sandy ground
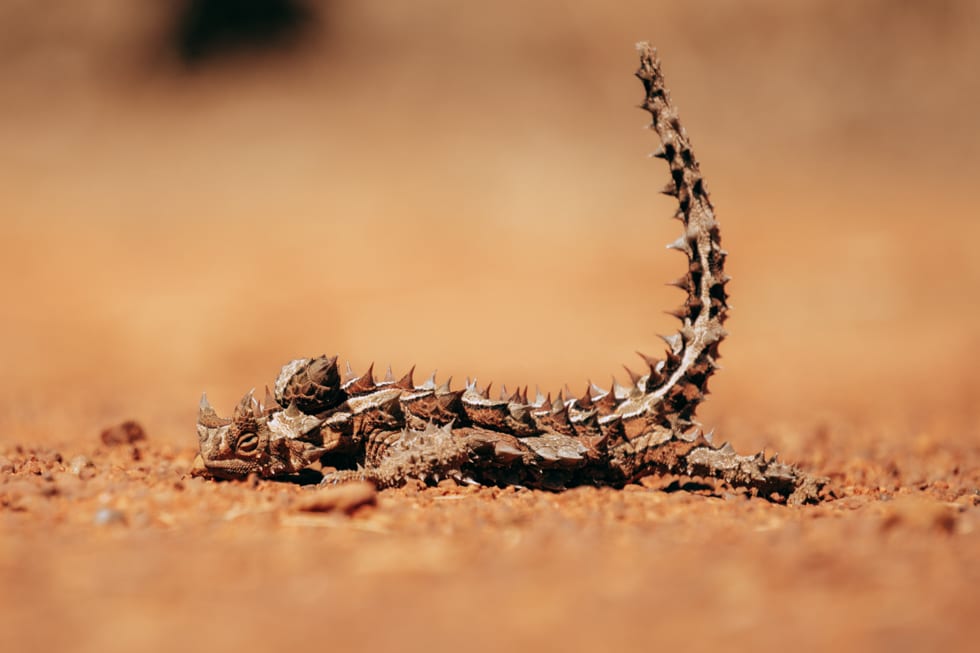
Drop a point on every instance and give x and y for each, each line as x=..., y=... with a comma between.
x=467, y=190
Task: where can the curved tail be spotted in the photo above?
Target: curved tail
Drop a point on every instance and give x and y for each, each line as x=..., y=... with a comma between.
x=667, y=438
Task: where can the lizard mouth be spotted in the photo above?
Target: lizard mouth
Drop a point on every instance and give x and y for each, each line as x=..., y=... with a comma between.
x=226, y=469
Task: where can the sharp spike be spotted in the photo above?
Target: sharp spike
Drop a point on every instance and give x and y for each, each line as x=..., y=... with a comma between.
x=586, y=400
x=364, y=383
x=245, y=407
x=634, y=377
x=485, y=393
x=292, y=411
x=269, y=405
x=389, y=377
x=618, y=391
x=446, y=387
x=670, y=189
x=406, y=382
x=691, y=434
x=448, y=399
x=430, y=383
x=682, y=244
x=650, y=361
x=206, y=415
x=675, y=342
x=684, y=283
x=506, y=451
x=660, y=153
x=538, y=397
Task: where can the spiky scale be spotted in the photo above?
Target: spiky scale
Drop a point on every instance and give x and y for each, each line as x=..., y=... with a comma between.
x=406, y=382
x=364, y=383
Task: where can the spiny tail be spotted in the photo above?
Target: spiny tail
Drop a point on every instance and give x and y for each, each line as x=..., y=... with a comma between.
x=693, y=351
x=678, y=384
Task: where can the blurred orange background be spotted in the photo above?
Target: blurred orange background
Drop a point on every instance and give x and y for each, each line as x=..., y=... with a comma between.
x=465, y=187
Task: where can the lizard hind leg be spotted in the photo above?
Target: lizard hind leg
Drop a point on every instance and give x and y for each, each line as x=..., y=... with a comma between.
x=394, y=458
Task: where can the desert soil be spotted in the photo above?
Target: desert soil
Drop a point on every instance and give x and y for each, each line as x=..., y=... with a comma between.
x=467, y=189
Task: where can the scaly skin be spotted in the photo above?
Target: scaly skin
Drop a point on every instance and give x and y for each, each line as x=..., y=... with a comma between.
x=392, y=432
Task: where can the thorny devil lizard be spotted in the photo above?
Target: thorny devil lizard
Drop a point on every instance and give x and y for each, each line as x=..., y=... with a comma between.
x=393, y=431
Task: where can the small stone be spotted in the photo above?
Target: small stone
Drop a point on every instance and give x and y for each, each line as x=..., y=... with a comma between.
x=128, y=432
x=346, y=498
x=33, y=467
x=48, y=458
x=81, y=467
x=109, y=516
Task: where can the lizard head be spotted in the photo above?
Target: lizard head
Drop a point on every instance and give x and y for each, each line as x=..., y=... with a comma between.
x=236, y=447
x=264, y=440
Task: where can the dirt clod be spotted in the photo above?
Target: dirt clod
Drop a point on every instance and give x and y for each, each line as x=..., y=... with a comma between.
x=81, y=467
x=346, y=498
x=127, y=432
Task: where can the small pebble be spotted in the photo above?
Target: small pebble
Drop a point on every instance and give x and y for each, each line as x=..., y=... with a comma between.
x=346, y=498
x=81, y=467
x=48, y=458
x=128, y=432
x=109, y=516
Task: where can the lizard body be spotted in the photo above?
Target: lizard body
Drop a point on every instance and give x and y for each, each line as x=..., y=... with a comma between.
x=393, y=431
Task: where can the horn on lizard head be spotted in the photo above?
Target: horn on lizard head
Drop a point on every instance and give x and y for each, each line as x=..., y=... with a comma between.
x=247, y=411
x=206, y=415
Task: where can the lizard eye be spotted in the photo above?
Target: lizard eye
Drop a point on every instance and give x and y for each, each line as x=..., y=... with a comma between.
x=248, y=443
